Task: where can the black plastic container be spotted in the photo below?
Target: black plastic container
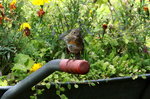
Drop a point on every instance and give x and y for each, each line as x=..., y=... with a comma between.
x=113, y=88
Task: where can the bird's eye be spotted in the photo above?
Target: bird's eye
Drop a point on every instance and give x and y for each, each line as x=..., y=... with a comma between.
x=74, y=32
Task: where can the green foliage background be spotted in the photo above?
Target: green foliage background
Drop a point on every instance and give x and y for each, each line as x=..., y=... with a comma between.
x=122, y=50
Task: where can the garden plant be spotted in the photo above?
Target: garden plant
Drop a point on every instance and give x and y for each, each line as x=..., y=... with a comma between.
x=115, y=33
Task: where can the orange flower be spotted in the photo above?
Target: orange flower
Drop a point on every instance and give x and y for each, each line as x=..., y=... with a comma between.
x=1, y=6
x=41, y=12
x=145, y=8
x=104, y=26
x=12, y=5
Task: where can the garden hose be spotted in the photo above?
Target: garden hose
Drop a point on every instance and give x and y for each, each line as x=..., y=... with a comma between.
x=65, y=65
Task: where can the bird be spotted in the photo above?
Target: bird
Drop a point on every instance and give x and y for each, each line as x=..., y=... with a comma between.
x=74, y=42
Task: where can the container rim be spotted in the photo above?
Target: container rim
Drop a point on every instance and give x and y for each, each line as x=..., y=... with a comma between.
x=91, y=81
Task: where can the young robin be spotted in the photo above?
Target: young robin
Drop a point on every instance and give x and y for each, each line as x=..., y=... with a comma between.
x=74, y=41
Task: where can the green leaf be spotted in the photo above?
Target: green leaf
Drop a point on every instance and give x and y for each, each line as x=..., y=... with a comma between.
x=144, y=77
x=19, y=67
x=48, y=85
x=40, y=91
x=134, y=77
x=105, y=65
x=112, y=54
x=33, y=88
x=76, y=86
x=63, y=96
x=3, y=83
x=146, y=62
x=93, y=84
x=125, y=57
x=69, y=86
x=63, y=55
x=56, y=76
x=147, y=67
x=58, y=92
x=29, y=63
x=126, y=39
x=100, y=2
x=57, y=53
x=21, y=58
x=115, y=60
x=62, y=89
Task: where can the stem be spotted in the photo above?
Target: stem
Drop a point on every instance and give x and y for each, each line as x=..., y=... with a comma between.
x=111, y=10
x=60, y=18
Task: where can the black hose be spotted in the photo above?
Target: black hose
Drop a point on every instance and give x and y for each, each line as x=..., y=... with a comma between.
x=32, y=79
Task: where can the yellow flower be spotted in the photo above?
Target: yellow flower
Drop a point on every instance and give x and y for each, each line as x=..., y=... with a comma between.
x=39, y=2
x=24, y=26
x=90, y=11
x=35, y=67
x=13, y=2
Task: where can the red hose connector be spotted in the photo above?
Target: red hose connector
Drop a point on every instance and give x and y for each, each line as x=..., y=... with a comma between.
x=74, y=66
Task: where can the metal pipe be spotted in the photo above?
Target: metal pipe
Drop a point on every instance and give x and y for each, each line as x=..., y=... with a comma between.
x=66, y=65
